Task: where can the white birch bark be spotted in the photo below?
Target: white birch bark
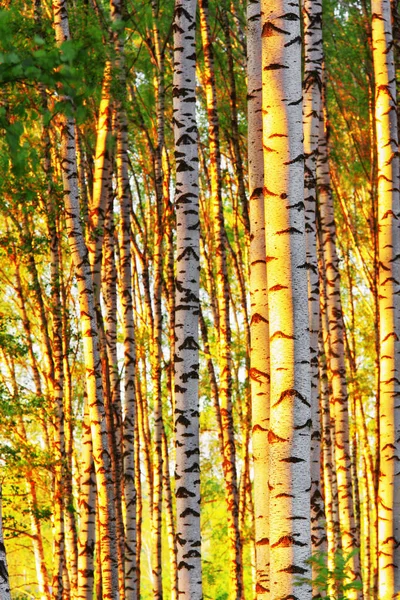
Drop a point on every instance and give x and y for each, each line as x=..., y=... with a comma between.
x=79, y=253
x=290, y=384
x=125, y=284
x=313, y=57
x=388, y=282
x=187, y=474
x=259, y=331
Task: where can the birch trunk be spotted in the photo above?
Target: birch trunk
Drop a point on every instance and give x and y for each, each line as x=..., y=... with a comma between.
x=170, y=521
x=234, y=129
x=222, y=283
x=328, y=448
x=336, y=356
x=101, y=454
x=87, y=514
x=259, y=331
x=290, y=385
x=187, y=473
x=388, y=281
x=158, y=220
x=313, y=57
x=124, y=198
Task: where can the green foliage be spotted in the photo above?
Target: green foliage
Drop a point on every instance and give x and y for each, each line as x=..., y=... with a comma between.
x=10, y=342
x=331, y=584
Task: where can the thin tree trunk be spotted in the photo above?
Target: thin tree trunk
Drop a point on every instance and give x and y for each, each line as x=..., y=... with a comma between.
x=328, y=448
x=157, y=313
x=139, y=505
x=101, y=454
x=87, y=514
x=336, y=357
x=259, y=331
x=71, y=534
x=125, y=282
x=388, y=278
x=109, y=292
x=187, y=474
x=234, y=129
x=225, y=355
x=170, y=521
x=313, y=57
x=95, y=233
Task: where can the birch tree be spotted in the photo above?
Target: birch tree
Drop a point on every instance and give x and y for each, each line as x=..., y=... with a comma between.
x=388, y=281
x=187, y=473
x=259, y=331
x=290, y=385
x=313, y=57
x=79, y=254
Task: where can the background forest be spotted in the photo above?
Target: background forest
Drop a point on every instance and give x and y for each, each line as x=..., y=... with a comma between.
x=114, y=77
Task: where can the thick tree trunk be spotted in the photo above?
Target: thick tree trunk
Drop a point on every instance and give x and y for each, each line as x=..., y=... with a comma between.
x=290, y=385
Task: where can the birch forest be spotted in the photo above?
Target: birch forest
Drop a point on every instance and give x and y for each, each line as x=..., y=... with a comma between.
x=200, y=300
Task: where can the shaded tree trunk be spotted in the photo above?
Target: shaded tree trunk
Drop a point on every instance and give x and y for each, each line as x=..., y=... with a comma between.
x=187, y=474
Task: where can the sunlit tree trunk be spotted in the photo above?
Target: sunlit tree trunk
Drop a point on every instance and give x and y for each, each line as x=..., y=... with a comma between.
x=57, y=393
x=290, y=384
x=234, y=128
x=158, y=248
x=125, y=285
x=95, y=242
x=259, y=352
x=225, y=354
x=71, y=534
x=101, y=454
x=109, y=293
x=101, y=183
x=53, y=354
x=187, y=470
x=388, y=244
